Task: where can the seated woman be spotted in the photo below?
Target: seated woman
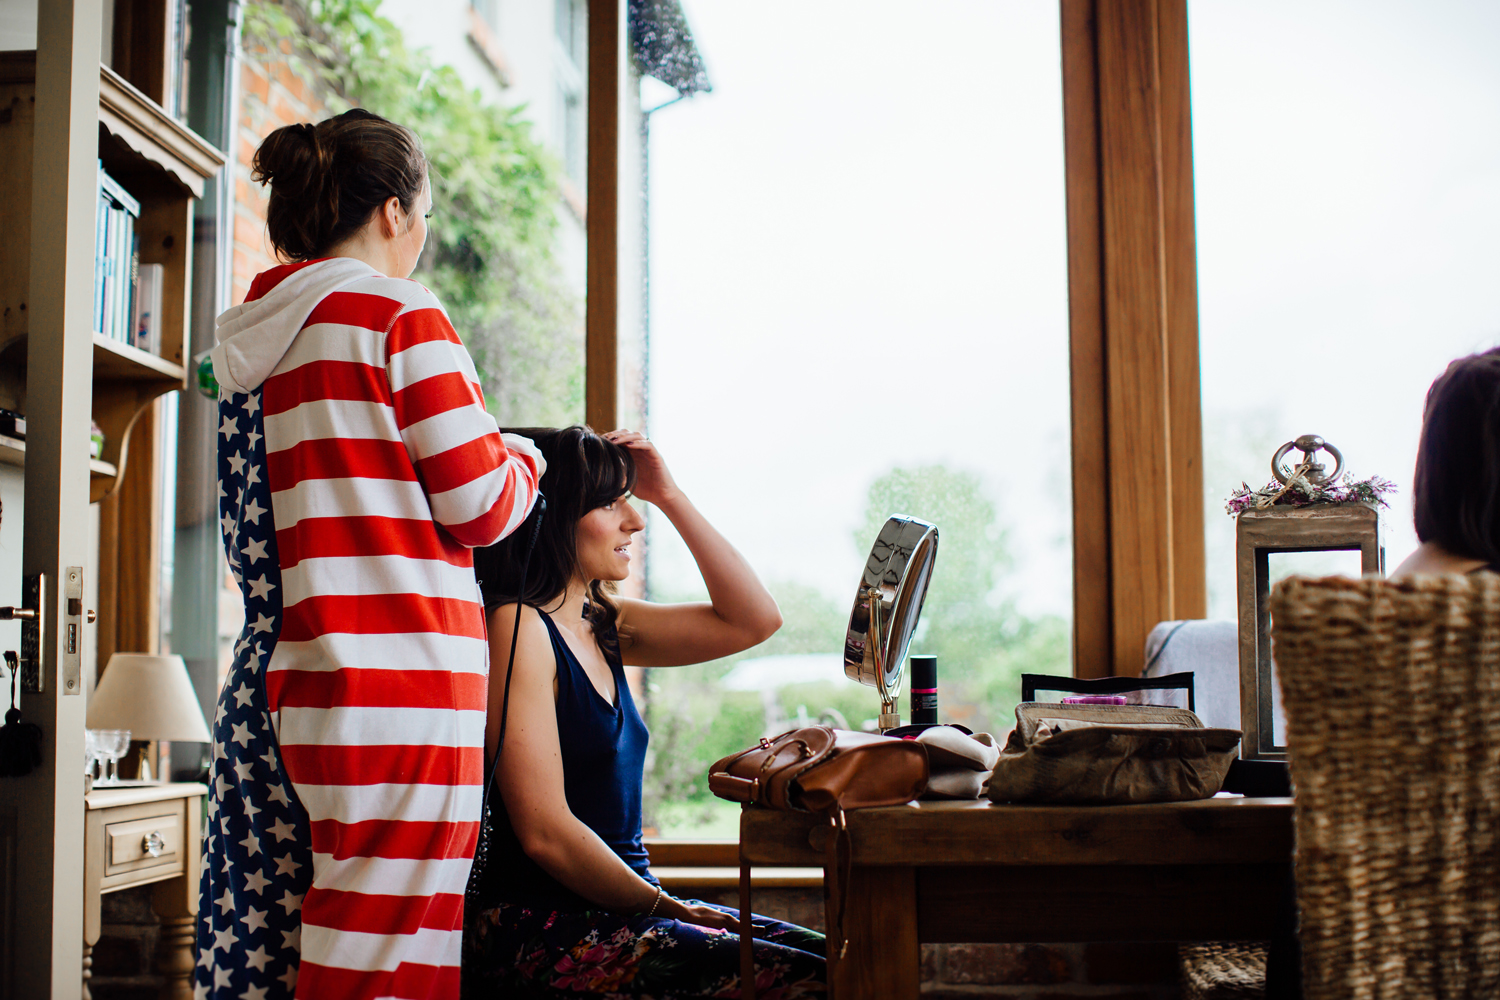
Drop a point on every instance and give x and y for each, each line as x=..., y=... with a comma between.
x=567, y=901
x=1456, y=490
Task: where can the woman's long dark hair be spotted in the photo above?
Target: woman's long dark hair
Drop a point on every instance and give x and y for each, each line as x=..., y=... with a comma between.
x=1456, y=490
x=584, y=472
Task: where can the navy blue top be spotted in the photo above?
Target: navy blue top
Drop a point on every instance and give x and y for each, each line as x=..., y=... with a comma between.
x=604, y=760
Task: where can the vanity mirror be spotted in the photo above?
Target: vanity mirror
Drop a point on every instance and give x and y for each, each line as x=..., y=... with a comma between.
x=887, y=607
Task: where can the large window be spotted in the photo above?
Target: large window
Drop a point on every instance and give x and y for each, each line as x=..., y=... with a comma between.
x=1348, y=197
x=859, y=307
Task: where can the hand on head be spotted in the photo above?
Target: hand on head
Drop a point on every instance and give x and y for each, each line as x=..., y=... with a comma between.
x=653, y=483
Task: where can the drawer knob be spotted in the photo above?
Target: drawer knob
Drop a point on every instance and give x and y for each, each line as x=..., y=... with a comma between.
x=153, y=844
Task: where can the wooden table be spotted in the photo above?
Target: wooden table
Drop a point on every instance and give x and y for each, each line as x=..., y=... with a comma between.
x=138, y=834
x=1213, y=870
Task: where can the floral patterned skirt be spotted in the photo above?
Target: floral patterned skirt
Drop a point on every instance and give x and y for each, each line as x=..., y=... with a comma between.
x=516, y=951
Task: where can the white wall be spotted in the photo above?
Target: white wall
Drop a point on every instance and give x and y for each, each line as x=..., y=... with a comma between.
x=17, y=25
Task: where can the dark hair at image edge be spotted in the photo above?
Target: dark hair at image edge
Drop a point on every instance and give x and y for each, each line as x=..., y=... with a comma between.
x=328, y=179
x=1456, y=490
x=584, y=472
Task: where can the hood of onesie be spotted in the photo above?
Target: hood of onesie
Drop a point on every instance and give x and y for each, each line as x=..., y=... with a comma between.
x=255, y=336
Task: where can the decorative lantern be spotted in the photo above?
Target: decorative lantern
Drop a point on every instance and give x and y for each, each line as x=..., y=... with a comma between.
x=1309, y=512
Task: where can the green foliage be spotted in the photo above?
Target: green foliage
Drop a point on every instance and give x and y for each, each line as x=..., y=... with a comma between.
x=694, y=722
x=490, y=256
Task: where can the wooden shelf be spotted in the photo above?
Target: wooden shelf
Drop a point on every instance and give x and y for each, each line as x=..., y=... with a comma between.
x=140, y=124
x=165, y=166
x=13, y=452
x=115, y=361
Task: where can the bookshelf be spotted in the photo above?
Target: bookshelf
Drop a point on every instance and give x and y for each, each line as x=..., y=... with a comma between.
x=163, y=165
x=13, y=452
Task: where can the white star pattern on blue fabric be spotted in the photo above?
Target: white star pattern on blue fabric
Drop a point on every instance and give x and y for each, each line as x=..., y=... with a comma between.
x=250, y=933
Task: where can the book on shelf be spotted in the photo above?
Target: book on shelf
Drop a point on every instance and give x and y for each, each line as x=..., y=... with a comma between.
x=119, y=313
x=146, y=326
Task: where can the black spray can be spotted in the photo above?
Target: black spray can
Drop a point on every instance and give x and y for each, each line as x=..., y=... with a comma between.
x=924, y=698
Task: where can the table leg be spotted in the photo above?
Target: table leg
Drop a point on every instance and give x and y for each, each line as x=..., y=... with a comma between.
x=93, y=873
x=883, y=958
x=1284, y=957
x=176, y=904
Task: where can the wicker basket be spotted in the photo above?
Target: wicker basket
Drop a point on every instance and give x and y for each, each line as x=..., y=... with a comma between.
x=1230, y=970
x=1392, y=694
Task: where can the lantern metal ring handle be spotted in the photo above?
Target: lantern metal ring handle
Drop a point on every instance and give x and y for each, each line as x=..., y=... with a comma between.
x=1309, y=445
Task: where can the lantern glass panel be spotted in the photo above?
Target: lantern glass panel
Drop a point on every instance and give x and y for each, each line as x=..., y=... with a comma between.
x=1325, y=562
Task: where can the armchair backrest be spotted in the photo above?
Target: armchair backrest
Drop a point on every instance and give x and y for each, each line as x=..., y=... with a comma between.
x=1392, y=695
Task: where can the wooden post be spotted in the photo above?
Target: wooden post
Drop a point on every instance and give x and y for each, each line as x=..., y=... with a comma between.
x=606, y=62
x=1137, y=439
x=48, y=803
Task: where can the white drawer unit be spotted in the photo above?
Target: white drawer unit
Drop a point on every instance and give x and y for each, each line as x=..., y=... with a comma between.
x=139, y=834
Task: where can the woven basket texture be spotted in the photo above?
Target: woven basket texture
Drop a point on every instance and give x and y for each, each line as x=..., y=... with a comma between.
x=1229, y=970
x=1392, y=696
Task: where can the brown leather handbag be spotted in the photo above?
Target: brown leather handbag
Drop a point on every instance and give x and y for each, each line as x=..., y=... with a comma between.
x=819, y=769
x=822, y=770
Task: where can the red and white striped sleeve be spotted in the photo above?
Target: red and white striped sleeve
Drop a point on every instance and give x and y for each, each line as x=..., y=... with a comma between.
x=480, y=486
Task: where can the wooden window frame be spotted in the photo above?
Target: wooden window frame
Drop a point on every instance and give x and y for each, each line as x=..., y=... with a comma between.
x=1138, y=551
x=1137, y=439
x=606, y=58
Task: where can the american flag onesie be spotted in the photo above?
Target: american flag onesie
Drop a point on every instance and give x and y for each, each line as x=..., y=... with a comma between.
x=357, y=464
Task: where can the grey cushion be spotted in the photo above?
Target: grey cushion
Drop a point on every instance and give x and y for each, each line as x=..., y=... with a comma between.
x=1211, y=650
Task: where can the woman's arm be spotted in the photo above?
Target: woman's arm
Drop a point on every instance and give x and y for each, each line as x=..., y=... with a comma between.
x=530, y=781
x=479, y=485
x=740, y=612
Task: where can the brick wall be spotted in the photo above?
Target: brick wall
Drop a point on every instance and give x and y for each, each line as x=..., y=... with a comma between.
x=1050, y=971
x=125, y=957
x=271, y=96
x=1021, y=971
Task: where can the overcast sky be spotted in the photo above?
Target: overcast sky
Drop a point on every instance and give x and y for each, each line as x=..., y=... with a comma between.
x=859, y=257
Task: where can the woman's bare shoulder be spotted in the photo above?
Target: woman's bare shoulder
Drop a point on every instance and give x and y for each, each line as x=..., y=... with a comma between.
x=534, y=642
x=1432, y=558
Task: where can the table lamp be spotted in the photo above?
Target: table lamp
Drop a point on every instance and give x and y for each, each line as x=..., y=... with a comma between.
x=150, y=695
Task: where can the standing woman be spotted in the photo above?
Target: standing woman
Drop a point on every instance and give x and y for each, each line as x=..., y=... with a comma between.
x=357, y=466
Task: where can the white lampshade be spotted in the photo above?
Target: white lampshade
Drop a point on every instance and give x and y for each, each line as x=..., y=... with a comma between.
x=152, y=696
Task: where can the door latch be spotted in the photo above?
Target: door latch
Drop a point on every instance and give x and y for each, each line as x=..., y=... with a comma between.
x=32, y=614
x=71, y=660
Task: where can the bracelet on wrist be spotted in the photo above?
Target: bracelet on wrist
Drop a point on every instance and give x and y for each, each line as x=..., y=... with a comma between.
x=655, y=903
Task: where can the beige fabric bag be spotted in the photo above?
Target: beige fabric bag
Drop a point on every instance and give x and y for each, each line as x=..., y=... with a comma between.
x=957, y=762
x=1110, y=755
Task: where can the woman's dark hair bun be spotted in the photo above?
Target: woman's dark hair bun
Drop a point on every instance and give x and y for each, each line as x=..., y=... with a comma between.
x=327, y=179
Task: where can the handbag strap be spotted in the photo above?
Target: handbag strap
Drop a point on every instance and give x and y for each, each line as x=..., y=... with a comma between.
x=540, y=510
x=838, y=864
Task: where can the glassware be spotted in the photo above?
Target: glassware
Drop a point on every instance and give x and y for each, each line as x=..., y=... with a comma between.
x=113, y=744
x=91, y=752
x=120, y=749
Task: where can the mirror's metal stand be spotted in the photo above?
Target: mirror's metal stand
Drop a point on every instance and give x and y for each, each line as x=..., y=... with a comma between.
x=890, y=718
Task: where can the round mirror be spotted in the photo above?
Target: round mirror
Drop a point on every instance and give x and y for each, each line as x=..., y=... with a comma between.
x=887, y=607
